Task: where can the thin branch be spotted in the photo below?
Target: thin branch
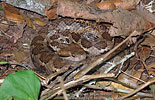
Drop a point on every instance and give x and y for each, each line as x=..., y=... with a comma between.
x=63, y=88
x=58, y=90
x=116, y=90
x=133, y=76
x=103, y=58
x=138, y=89
x=108, y=70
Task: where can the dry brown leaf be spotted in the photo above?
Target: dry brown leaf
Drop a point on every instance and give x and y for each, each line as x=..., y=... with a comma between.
x=124, y=22
x=55, y=1
x=40, y=22
x=133, y=62
x=144, y=52
x=106, y=5
x=126, y=4
x=19, y=56
x=129, y=80
x=19, y=31
x=136, y=74
x=149, y=40
x=152, y=65
x=51, y=13
x=11, y=13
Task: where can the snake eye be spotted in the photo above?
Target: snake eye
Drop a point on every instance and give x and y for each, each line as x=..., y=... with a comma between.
x=73, y=55
x=67, y=40
x=64, y=40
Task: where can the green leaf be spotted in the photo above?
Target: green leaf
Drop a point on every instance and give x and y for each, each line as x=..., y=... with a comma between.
x=24, y=85
x=3, y=62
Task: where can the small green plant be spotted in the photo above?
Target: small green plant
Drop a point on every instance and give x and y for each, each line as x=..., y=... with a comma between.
x=23, y=85
x=3, y=62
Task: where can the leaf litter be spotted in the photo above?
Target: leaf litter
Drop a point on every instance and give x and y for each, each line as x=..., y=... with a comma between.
x=18, y=27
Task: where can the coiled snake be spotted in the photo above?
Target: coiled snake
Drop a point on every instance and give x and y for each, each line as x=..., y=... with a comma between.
x=64, y=42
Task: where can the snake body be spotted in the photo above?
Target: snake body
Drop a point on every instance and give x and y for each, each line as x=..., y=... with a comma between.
x=64, y=42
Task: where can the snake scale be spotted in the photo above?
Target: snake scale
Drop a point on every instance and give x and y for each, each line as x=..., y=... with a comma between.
x=65, y=42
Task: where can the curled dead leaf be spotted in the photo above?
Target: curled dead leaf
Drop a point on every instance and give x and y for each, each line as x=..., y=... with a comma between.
x=11, y=13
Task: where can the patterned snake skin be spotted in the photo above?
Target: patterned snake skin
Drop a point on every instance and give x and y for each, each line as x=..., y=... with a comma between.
x=65, y=42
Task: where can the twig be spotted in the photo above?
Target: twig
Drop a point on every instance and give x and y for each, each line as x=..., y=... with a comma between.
x=108, y=70
x=77, y=94
x=63, y=88
x=102, y=58
x=119, y=62
x=133, y=76
x=138, y=89
x=51, y=76
x=58, y=90
x=145, y=66
x=5, y=34
x=116, y=90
